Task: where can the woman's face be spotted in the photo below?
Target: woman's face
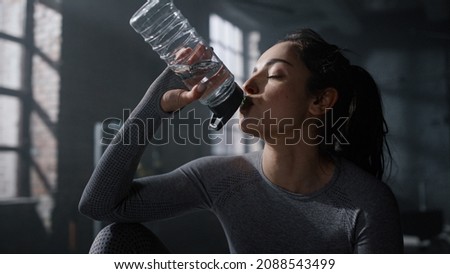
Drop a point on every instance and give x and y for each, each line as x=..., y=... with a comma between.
x=278, y=100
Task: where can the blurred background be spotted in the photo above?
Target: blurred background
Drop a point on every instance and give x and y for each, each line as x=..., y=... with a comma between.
x=66, y=66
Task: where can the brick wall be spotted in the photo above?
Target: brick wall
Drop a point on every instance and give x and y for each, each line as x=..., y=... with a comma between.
x=44, y=118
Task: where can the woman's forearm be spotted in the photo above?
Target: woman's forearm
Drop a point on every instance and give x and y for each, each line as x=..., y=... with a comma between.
x=111, y=180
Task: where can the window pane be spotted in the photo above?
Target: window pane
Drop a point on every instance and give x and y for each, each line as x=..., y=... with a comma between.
x=46, y=85
x=9, y=121
x=47, y=31
x=8, y=174
x=214, y=27
x=10, y=64
x=253, y=50
x=12, y=14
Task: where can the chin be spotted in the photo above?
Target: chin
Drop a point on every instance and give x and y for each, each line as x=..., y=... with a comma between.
x=249, y=125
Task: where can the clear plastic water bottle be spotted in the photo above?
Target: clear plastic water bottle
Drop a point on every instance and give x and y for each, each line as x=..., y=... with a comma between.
x=169, y=33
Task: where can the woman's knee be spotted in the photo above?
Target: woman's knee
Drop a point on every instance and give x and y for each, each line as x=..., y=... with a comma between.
x=125, y=238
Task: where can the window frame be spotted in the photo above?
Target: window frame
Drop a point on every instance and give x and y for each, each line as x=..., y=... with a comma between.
x=25, y=96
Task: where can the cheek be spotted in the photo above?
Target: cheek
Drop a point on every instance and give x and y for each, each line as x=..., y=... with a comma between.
x=292, y=114
x=289, y=106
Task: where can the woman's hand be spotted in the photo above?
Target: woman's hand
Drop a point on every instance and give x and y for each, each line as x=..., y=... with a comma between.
x=175, y=99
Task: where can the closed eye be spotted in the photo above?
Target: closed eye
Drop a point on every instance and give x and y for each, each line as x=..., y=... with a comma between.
x=274, y=76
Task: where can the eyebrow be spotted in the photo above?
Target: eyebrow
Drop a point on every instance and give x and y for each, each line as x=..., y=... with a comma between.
x=274, y=61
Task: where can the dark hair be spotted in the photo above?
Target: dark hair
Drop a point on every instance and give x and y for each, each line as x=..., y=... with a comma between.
x=358, y=99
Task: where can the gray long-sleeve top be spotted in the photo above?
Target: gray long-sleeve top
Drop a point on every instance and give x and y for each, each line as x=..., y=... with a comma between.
x=354, y=213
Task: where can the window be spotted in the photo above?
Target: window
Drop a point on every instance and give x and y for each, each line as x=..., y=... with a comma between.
x=30, y=43
x=9, y=142
x=228, y=43
x=12, y=49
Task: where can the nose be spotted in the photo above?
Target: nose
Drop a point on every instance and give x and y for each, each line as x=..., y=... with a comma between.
x=250, y=86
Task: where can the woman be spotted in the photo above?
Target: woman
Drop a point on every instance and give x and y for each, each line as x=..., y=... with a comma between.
x=314, y=188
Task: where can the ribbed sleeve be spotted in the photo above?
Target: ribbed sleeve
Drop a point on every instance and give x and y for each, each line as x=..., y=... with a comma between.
x=112, y=180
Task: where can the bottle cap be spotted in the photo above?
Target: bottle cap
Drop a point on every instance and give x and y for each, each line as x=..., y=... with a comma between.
x=224, y=111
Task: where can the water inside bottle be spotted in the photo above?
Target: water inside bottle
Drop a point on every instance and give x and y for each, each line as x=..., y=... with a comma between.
x=214, y=73
x=201, y=69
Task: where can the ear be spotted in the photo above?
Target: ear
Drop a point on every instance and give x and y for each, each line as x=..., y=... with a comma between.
x=326, y=99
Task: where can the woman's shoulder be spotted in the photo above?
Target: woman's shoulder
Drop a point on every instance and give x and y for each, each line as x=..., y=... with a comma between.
x=362, y=187
x=223, y=174
x=377, y=219
x=220, y=161
x=215, y=166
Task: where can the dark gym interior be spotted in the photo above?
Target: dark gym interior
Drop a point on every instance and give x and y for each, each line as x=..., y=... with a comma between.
x=68, y=65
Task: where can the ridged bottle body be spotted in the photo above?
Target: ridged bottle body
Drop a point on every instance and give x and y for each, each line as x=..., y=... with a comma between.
x=169, y=33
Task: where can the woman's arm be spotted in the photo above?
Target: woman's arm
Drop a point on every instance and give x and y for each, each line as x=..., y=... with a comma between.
x=112, y=195
x=378, y=225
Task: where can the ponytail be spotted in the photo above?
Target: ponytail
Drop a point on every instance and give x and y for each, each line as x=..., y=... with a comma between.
x=359, y=101
x=366, y=127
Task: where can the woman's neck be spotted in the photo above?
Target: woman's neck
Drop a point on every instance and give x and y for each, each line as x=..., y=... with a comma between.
x=297, y=168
